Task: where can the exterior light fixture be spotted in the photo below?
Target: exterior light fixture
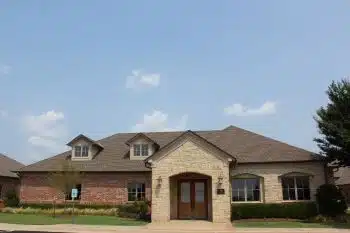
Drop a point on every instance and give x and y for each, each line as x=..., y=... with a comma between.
x=159, y=179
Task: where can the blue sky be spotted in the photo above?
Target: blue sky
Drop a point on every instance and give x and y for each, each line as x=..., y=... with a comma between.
x=102, y=67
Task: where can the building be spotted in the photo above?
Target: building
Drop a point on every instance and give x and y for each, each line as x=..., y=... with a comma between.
x=342, y=180
x=186, y=175
x=8, y=180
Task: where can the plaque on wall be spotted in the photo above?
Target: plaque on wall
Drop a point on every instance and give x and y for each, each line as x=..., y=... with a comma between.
x=220, y=191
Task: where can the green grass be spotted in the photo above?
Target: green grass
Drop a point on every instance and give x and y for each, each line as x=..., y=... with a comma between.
x=287, y=224
x=29, y=219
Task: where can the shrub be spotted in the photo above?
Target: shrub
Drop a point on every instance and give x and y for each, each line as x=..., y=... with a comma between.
x=67, y=211
x=11, y=199
x=68, y=205
x=299, y=210
x=330, y=200
x=137, y=209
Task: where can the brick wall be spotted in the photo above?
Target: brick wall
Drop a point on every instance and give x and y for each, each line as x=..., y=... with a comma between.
x=7, y=184
x=99, y=188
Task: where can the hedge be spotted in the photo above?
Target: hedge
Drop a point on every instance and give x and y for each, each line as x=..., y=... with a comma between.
x=300, y=210
x=67, y=205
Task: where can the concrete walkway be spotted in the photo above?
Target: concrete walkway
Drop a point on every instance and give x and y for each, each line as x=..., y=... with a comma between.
x=173, y=227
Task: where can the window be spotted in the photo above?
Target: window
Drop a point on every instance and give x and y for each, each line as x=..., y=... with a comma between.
x=0, y=191
x=296, y=188
x=136, y=192
x=69, y=195
x=85, y=151
x=246, y=189
x=81, y=151
x=77, y=151
x=144, y=150
x=141, y=150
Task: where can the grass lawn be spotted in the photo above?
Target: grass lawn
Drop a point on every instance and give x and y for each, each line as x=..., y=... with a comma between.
x=288, y=224
x=30, y=219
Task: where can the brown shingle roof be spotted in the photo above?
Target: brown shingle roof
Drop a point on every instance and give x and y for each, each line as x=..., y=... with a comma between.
x=245, y=146
x=342, y=175
x=7, y=165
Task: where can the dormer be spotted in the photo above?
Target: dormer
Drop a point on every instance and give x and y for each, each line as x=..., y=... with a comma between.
x=141, y=147
x=84, y=148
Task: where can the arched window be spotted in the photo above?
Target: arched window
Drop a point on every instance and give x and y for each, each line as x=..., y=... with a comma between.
x=296, y=186
x=246, y=188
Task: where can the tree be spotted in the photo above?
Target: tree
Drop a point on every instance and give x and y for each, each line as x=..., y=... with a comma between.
x=333, y=123
x=66, y=178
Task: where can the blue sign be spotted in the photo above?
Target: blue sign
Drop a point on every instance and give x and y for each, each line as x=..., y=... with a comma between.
x=74, y=193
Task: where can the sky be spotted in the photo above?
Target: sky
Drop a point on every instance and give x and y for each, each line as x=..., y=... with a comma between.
x=103, y=67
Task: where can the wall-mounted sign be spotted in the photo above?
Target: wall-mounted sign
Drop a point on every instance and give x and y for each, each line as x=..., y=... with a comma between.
x=220, y=191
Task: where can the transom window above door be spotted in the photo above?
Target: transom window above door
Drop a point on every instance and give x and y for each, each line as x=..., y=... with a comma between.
x=141, y=150
x=246, y=189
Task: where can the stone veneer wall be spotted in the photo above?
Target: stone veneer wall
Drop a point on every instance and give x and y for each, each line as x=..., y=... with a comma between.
x=271, y=173
x=190, y=157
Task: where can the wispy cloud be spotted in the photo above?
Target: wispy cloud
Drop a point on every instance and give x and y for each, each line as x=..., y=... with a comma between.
x=268, y=108
x=46, y=131
x=5, y=69
x=158, y=121
x=138, y=79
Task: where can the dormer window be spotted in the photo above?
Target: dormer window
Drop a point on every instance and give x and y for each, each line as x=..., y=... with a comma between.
x=141, y=150
x=81, y=151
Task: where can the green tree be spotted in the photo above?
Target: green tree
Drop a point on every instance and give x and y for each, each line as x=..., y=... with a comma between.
x=66, y=178
x=333, y=123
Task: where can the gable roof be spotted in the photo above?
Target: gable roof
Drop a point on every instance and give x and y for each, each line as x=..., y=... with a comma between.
x=7, y=165
x=189, y=133
x=82, y=136
x=245, y=146
x=139, y=135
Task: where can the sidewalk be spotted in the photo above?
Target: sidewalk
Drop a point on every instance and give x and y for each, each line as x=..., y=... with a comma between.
x=159, y=228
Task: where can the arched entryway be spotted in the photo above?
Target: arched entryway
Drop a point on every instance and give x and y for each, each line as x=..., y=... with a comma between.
x=190, y=196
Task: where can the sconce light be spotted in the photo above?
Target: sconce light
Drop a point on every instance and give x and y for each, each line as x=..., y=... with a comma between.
x=159, y=179
x=220, y=178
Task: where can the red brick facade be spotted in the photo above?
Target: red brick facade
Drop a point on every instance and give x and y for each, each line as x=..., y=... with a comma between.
x=8, y=184
x=98, y=188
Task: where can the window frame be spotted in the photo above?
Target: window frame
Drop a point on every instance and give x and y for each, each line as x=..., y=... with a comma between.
x=139, y=149
x=136, y=186
x=295, y=188
x=81, y=150
x=246, y=177
x=144, y=148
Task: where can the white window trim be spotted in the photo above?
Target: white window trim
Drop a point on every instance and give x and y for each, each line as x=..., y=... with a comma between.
x=247, y=176
x=296, y=189
x=140, y=145
x=136, y=192
x=81, y=151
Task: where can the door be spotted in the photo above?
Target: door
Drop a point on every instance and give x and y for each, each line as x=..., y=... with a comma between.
x=192, y=199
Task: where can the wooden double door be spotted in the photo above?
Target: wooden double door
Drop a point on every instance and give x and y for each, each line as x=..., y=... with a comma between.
x=192, y=199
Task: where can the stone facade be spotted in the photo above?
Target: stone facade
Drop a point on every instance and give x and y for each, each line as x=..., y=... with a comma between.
x=271, y=172
x=190, y=156
x=8, y=184
x=99, y=188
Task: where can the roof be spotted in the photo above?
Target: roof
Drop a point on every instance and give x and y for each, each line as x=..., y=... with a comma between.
x=82, y=136
x=189, y=133
x=7, y=165
x=342, y=176
x=245, y=146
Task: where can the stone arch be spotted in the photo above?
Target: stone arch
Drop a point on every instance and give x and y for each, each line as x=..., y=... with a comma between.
x=175, y=192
